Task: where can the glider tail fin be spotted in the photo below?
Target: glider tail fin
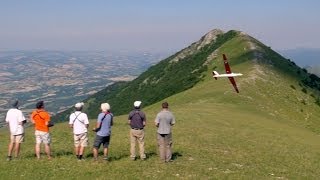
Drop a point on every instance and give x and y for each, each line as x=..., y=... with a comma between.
x=215, y=73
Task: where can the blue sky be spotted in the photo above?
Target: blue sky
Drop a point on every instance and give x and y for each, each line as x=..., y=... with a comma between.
x=162, y=25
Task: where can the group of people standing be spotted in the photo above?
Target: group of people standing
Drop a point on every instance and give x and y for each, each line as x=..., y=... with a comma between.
x=79, y=122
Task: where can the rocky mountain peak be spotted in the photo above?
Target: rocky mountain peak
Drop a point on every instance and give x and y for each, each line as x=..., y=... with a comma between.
x=204, y=40
x=209, y=37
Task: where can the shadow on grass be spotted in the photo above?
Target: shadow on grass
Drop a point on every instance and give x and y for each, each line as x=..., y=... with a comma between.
x=175, y=155
x=150, y=154
x=53, y=154
x=111, y=157
x=119, y=157
x=32, y=155
x=62, y=153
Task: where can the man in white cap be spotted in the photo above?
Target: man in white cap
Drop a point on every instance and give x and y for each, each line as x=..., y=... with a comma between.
x=80, y=123
x=103, y=129
x=137, y=121
x=16, y=120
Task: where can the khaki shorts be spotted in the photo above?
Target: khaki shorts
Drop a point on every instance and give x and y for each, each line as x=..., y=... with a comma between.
x=17, y=138
x=80, y=140
x=42, y=137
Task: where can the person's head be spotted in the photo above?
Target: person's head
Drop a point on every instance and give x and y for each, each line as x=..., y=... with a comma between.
x=137, y=104
x=79, y=106
x=165, y=105
x=105, y=107
x=15, y=103
x=40, y=105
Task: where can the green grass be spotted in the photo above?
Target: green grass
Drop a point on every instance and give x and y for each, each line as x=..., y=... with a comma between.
x=219, y=135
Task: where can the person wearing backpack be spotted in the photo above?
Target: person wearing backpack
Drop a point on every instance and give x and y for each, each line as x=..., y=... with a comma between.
x=80, y=123
x=41, y=120
x=103, y=131
x=137, y=121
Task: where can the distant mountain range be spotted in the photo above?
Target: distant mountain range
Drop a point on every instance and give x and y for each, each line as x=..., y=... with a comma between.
x=305, y=58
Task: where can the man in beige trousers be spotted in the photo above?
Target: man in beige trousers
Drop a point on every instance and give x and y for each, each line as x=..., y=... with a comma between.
x=137, y=122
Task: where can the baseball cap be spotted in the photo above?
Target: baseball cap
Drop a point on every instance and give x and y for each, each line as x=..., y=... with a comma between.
x=137, y=103
x=15, y=103
x=79, y=105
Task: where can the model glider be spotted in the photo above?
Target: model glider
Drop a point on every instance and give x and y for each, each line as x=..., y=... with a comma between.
x=228, y=74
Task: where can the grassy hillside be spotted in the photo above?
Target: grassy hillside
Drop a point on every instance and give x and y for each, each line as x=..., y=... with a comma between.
x=172, y=75
x=273, y=85
x=270, y=130
x=219, y=134
x=184, y=69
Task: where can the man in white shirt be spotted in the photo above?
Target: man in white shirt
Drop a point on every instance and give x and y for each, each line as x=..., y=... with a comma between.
x=15, y=120
x=80, y=123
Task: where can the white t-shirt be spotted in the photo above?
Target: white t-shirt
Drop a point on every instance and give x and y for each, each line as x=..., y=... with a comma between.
x=14, y=117
x=79, y=121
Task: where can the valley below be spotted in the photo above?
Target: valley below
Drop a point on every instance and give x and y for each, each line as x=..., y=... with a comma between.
x=61, y=78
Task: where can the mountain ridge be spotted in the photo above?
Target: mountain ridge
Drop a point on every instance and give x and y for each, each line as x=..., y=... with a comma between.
x=156, y=76
x=262, y=68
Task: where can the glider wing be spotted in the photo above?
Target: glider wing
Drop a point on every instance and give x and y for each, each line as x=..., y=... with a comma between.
x=228, y=71
x=233, y=82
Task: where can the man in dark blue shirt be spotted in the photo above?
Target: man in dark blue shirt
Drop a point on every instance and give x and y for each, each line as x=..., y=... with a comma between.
x=137, y=122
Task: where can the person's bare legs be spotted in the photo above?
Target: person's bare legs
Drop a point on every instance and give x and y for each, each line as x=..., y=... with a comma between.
x=76, y=151
x=105, y=153
x=81, y=150
x=10, y=148
x=47, y=150
x=37, y=150
x=95, y=153
x=17, y=149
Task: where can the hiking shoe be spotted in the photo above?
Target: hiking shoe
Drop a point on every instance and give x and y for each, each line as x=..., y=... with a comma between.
x=105, y=158
x=9, y=158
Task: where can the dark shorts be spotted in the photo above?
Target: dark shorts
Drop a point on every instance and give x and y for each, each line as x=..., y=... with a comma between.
x=105, y=140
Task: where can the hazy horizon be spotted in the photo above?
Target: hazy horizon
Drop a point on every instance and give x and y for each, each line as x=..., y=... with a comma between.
x=153, y=25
